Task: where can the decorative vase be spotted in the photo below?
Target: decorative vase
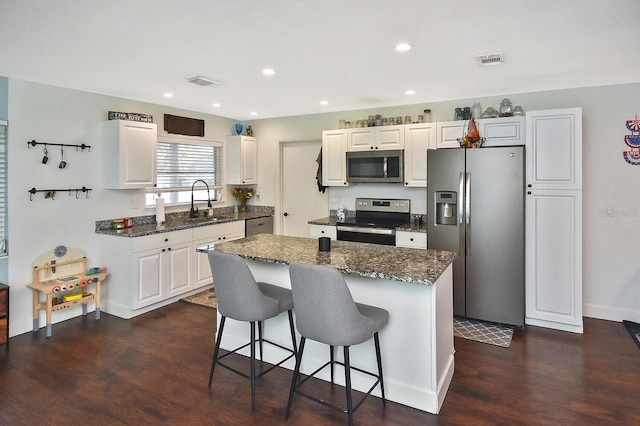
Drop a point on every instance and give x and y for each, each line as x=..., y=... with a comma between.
x=242, y=207
x=249, y=131
x=239, y=128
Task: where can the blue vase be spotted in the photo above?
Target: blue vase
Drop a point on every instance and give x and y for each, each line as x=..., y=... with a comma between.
x=238, y=128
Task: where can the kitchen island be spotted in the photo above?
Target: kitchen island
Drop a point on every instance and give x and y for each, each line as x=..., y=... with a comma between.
x=415, y=286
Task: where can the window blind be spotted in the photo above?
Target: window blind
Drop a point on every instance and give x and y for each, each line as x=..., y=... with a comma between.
x=179, y=165
x=3, y=187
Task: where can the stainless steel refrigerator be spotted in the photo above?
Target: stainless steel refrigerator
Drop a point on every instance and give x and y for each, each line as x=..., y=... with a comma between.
x=475, y=207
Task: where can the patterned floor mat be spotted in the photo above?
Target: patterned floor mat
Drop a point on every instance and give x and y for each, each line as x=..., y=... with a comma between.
x=205, y=298
x=482, y=331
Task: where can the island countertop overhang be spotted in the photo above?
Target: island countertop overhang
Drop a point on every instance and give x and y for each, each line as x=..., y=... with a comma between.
x=408, y=265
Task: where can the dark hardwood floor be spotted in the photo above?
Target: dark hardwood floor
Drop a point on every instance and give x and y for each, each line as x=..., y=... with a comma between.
x=153, y=369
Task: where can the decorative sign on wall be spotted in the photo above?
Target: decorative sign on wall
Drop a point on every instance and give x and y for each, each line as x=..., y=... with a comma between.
x=633, y=142
x=131, y=116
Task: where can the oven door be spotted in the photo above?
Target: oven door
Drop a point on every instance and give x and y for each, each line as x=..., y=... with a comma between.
x=366, y=235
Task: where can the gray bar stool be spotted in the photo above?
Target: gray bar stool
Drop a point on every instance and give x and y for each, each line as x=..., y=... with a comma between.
x=241, y=298
x=326, y=313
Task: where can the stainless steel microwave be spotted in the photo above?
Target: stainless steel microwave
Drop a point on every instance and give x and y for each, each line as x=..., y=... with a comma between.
x=375, y=166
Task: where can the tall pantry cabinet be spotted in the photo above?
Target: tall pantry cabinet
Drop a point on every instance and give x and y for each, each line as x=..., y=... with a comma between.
x=554, y=219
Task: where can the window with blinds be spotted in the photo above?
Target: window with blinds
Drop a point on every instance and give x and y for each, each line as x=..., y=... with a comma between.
x=180, y=164
x=3, y=188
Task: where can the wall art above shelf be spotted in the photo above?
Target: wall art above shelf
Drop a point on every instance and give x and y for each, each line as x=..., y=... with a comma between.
x=51, y=193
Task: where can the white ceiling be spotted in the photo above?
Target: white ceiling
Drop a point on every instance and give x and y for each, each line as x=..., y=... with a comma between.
x=338, y=50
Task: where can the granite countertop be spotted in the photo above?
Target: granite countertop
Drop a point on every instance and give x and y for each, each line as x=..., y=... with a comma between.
x=408, y=227
x=142, y=228
x=369, y=260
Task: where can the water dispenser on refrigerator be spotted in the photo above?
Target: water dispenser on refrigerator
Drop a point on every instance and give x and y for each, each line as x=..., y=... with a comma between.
x=446, y=207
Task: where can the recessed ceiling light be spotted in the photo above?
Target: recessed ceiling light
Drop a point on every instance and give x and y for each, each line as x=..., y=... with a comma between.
x=410, y=92
x=168, y=95
x=403, y=47
x=324, y=102
x=254, y=113
x=268, y=71
x=217, y=105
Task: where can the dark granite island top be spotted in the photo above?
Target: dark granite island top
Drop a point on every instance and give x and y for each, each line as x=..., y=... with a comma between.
x=369, y=260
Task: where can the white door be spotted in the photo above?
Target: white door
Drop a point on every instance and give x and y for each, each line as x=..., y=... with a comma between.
x=301, y=200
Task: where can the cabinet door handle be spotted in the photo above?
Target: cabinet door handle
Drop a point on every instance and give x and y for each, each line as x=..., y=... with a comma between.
x=529, y=186
x=529, y=192
x=169, y=249
x=411, y=239
x=166, y=240
x=163, y=250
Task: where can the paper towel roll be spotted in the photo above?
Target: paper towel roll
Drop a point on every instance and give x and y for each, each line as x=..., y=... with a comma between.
x=159, y=210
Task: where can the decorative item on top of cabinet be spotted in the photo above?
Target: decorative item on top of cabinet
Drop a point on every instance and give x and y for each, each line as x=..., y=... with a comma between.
x=129, y=151
x=502, y=131
x=242, y=160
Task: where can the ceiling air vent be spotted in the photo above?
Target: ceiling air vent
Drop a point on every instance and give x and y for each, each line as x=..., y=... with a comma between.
x=202, y=81
x=491, y=59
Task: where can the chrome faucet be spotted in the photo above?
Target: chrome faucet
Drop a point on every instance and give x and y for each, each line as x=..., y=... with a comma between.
x=194, y=211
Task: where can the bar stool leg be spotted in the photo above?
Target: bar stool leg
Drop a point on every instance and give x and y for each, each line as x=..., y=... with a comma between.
x=293, y=332
x=253, y=366
x=332, y=360
x=296, y=374
x=347, y=380
x=260, y=338
x=376, y=339
x=217, y=350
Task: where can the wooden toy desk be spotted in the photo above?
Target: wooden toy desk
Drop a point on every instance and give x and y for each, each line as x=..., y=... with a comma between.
x=64, y=281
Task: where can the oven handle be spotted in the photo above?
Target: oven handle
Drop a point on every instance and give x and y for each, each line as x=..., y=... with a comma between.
x=366, y=230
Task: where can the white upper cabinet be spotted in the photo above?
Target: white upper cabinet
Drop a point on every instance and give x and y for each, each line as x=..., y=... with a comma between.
x=334, y=161
x=448, y=133
x=418, y=138
x=554, y=149
x=129, y=152
x=503, y=131
x=242, y=160
x=368, y=138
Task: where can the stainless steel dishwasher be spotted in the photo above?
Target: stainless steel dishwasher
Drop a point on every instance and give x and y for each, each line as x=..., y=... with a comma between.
x=259, y=225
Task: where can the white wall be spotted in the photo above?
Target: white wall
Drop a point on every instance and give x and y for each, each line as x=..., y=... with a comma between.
x=611, y=206
x=611, y=209
x=56, y=115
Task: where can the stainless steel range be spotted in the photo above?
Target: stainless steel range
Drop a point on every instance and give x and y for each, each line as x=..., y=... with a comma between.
x=375, y=221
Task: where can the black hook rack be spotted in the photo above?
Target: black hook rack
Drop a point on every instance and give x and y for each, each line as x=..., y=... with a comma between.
x=51, y=193
x=81, y=146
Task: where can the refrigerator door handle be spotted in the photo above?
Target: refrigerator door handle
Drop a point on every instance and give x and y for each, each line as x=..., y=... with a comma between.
x=467, y=212
x=461, y=226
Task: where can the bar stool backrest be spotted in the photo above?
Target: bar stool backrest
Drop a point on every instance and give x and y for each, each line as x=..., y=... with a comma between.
x=238, y=294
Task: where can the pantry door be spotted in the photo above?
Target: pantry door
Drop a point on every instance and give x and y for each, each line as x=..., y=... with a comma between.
x=300, y=199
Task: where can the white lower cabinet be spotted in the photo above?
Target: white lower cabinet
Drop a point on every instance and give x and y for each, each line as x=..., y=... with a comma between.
x=554, y=253
x=151, y=271
x=162, y=266
x=317, y=231
x=411, y=239
x=208, y=235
